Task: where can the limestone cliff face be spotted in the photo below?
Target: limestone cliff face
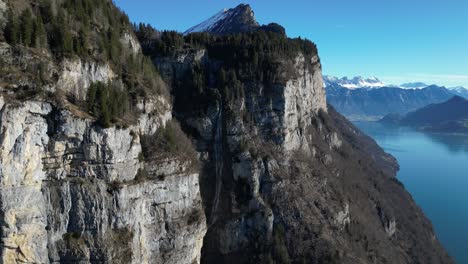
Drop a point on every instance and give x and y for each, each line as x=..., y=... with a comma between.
x=76, y=76
x=303, y=97
x=288, y=180
x=74, y=192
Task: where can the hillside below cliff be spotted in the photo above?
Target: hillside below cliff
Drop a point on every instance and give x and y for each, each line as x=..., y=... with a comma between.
x=123, y=144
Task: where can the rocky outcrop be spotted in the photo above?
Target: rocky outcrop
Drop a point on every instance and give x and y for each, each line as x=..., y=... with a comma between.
x=77, y=76
x=74, y=192
x=303, y=97
x=130, y=43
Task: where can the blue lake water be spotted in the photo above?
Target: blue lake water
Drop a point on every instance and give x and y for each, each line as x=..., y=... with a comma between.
x=434, y=169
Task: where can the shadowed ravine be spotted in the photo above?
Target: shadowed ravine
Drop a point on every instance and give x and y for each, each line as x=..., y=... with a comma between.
x=219, y=161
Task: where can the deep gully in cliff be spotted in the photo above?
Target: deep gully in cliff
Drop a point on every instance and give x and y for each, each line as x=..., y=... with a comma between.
x=218, y=155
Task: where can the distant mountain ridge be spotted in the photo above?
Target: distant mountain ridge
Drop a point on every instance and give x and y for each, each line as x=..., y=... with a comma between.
x=447, y=117
x=460, y=91
x=414, y=85
x=374, y=82
x=372, y=104
x=371, y=99
x=354, y=83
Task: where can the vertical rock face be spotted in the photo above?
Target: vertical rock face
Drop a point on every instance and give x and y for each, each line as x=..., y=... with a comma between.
x=73, y=192
x=78, y=75
x=303, y=97
x=287, y=179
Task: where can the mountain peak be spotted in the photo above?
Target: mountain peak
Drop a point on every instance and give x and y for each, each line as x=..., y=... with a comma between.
x=353, y=83
x=228, y=21
x=414, y=85
x=456, y=99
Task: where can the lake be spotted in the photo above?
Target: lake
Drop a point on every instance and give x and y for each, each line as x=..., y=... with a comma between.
x=434, y=169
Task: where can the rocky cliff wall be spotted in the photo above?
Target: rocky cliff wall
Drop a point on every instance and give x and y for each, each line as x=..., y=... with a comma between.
x=74, y=192
x=286, y=179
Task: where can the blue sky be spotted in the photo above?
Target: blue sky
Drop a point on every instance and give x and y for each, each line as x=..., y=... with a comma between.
x=397, y=41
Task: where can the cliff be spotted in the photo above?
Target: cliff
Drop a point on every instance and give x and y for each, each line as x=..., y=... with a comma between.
x=286, y=179
x=95, y=169
x=74, y=192
x=71, y=189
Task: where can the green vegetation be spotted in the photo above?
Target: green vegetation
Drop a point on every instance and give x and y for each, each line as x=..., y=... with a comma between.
x=263, y=57
x=39, y=36
x=280, y=251
x=64, y=28
x=169, y=139
x=25, y=30
x=107, y=103
x=88, y=30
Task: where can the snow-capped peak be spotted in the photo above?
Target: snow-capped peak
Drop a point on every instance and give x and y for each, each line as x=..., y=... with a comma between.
x=354, y=83
x=458, y=88
x=226, y=21
x=208, y=24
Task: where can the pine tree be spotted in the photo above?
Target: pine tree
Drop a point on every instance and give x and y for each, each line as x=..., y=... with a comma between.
x=61, y=37
x=45, y=9
x=91, y=98
x=83, y=36
x=12, y=29
x=39, y=33
x=26, y=28
x=114, y=45
x=67, y=41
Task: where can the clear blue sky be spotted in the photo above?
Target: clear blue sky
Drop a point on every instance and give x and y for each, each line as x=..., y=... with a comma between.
x=395, y=40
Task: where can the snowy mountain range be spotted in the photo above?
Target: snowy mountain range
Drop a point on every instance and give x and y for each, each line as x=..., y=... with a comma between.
x=374, y=82
x=370, y=99
x=460, y=91
x=354, y=83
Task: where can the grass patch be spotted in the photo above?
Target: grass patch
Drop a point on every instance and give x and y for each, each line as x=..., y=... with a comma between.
x=169, y=141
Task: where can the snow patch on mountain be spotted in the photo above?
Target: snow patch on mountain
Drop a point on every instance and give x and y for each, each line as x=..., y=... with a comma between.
x=208, y=24
x=413, y=85
x=354, y=83
x=458, y=89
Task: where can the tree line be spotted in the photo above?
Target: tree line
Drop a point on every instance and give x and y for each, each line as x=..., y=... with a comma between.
x=88, y=30
x=66, y=30
x=252, y=57
x=107, y=102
